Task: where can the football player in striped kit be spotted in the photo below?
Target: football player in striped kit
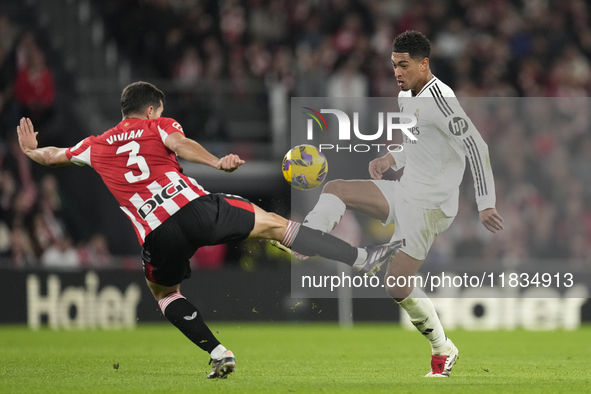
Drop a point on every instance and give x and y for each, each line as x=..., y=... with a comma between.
x=425, y=200
x=173, y=215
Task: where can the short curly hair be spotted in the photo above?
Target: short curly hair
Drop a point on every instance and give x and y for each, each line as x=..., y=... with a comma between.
x=138, y=96
x=414, y=43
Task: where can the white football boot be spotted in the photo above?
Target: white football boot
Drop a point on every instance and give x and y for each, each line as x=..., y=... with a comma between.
x=442, y=364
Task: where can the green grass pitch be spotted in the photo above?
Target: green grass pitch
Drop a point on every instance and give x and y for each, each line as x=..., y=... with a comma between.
x=291, y=358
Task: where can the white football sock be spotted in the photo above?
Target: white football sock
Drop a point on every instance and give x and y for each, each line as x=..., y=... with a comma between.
x=424, y=317
x=218, y=352
x=361, y=256
x=327, y=213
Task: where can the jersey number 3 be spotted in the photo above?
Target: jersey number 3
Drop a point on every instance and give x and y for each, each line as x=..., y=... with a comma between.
x=133, y=148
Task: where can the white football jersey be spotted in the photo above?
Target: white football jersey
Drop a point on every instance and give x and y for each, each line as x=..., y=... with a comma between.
x=434, y=164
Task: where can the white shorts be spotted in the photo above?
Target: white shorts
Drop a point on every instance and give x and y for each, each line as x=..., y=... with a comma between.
x=419, y=226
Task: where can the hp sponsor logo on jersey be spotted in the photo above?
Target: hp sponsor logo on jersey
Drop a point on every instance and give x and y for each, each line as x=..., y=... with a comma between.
x=458, y=126
x=167, y=192
x=408, y=123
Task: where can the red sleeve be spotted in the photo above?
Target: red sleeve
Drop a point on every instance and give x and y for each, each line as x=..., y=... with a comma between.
x=167, y=126
x=21, y=90
x=79, y=154
x=48, y=94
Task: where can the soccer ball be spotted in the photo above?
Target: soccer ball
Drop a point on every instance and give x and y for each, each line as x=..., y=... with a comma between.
x=304, y=167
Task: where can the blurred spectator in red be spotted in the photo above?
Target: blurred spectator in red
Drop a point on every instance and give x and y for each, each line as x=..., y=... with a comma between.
x=34, y=89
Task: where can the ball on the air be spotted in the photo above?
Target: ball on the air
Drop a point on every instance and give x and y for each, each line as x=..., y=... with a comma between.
x=304, y=167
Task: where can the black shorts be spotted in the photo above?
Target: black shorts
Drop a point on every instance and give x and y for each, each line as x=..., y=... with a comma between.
x=209, y=220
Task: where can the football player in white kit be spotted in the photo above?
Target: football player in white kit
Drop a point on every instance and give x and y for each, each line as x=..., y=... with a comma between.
x=425, y=200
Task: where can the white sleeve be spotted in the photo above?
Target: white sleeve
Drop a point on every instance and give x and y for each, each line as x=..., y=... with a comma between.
x=456, y=125
x=399, y=159
x=484, y=184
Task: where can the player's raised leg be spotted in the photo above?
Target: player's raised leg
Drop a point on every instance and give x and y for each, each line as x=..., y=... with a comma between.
x=185, y=316
x=422, y=313
x=311, y=242
x=338, y=195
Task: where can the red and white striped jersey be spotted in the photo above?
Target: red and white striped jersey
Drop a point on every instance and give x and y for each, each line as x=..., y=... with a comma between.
x=139, y=170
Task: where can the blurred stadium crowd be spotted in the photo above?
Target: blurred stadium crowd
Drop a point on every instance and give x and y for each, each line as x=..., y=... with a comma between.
x=342, y=47
x=498, y=48
x=32, y=232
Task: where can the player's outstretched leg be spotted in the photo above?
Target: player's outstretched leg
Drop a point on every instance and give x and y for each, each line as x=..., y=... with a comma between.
x=311, y=242
x=423, y=316
x=185, y=316
x=338, y=195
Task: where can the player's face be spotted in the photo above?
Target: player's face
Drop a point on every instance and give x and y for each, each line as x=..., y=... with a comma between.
x=406, y=70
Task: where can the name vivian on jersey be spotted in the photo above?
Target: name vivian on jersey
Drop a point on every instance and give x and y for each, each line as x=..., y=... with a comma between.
x=125, y=136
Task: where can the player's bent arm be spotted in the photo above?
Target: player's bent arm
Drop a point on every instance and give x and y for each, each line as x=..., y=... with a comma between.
x=192, y=151
x=50, y=156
